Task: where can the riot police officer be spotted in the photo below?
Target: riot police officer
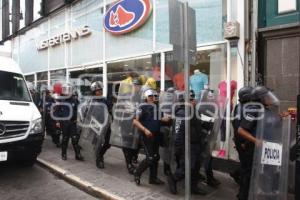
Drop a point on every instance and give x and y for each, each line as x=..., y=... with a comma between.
x=45, y=107
x=262, y=98
x=130, y=154
x=97, y=91
x=66, y=113
x=196, y=141
x=244, y=98
x=148, y=122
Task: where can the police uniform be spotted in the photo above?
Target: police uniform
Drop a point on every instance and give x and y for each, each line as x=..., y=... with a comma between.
x=246, y=150
x=49, y=122
x=196, y=148
x=148, y=116
x=68, y=126
x=102, y=150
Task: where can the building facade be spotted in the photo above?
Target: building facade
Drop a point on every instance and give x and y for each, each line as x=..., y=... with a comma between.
x=72, y=45
x=279, y=55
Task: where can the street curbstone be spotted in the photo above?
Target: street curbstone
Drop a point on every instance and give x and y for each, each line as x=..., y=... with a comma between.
x=77, y=181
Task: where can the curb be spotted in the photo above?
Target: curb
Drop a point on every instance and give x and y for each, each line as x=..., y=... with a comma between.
x=78, y=182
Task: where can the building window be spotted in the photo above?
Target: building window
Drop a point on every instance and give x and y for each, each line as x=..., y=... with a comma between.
x=30, y=78
x=42, y=81
x=141, y=69
x=82, y=80
x=57, y=76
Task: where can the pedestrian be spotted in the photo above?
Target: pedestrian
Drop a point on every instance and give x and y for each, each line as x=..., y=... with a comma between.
x=148, y=122
x=195, y=140
x=66, y=114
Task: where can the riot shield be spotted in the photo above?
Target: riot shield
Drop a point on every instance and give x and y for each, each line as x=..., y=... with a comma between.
x=94, y=121
x=269, y=179
x=166, y=103
x=210, y=110
x=123, y=133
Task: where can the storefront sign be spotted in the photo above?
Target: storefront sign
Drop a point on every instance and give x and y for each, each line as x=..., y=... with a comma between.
x=127, y=15
x=64, y=38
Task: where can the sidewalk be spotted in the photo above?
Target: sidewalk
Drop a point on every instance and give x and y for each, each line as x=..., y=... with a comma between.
x=115, y=180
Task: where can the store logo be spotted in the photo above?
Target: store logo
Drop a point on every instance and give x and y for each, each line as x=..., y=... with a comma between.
x=64, y=38
x=127, y=15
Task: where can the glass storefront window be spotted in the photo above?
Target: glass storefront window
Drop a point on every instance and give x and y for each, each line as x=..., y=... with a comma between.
x=82, y=79
x=57, y=76
x=29, y=78
x=211, y=62
x=142, y=69
x=42, y=81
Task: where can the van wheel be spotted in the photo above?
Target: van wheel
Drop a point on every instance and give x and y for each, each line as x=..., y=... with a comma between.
x=29, y=162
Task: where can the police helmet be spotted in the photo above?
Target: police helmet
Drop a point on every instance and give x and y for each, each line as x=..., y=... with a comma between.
x=136, y=82
x=179, y=96
x=67, y=89
x=171, y=90
x=56, y=96
x=97, y=85
x=149, y=93
x=263, y=95
x=245, y=94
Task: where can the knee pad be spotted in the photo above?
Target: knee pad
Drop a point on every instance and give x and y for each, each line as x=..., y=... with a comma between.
x=150, y=160
x=75, y=139
x=156, y=157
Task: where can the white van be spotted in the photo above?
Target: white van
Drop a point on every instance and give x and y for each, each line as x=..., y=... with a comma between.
x=21, y=132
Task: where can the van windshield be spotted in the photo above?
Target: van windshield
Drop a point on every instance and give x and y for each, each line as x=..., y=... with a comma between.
x=13, y=87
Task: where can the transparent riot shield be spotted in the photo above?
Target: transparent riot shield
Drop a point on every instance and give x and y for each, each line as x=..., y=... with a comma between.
x=123, y=133
x=167, y=153
x=269, y=179
x=94, y=121
x=210, y=110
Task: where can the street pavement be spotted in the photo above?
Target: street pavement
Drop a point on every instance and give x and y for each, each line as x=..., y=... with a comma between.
x=35, y=183
x=116, y=180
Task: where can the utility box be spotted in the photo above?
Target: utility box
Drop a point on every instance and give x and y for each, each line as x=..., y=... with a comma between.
x=232, y=30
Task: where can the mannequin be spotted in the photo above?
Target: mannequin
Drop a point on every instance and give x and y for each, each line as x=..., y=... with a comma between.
x=198, y=81
x=223, y=92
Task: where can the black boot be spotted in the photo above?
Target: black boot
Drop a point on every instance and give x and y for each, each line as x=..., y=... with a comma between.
x=153, y=175
x=100, y=162
x=130, y=168
x=137, y=177
x=172, y=184
x=211, y=181
x=79, y=157
x=156, y=181
x=198, y=191
x=64, y=156
x=63, y=152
